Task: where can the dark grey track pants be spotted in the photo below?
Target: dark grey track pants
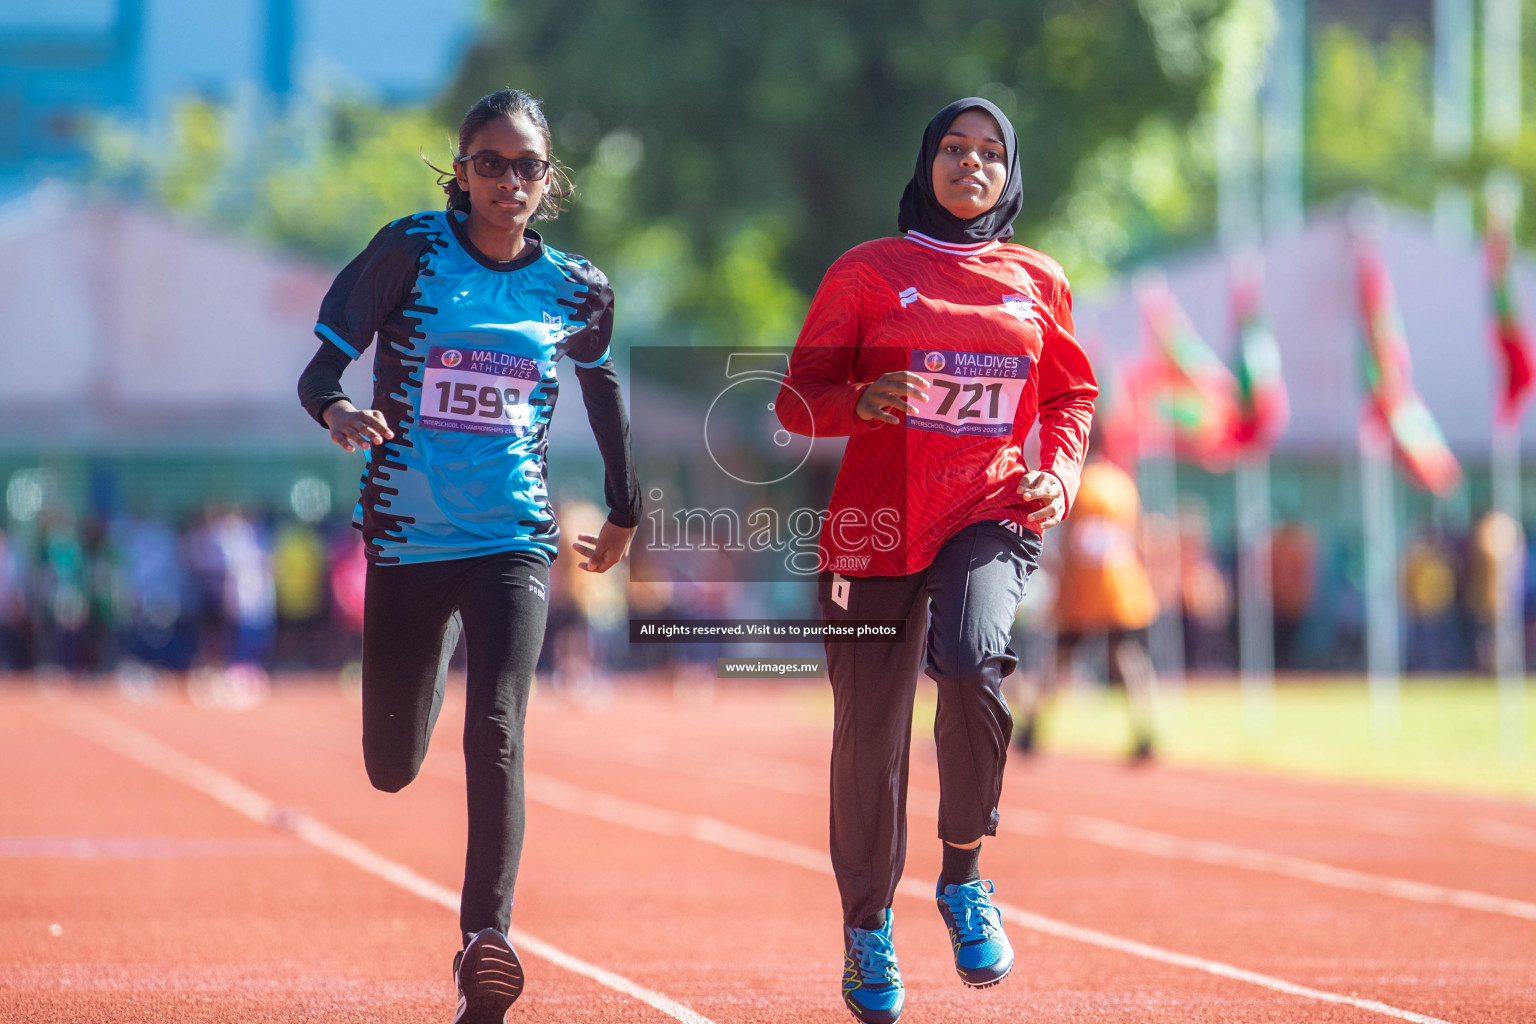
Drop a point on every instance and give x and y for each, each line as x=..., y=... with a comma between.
x=959, y=614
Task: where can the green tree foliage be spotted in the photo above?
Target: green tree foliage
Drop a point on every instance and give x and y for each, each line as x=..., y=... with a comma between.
x=725, y=154
x=320, y=186
x=1372, y=117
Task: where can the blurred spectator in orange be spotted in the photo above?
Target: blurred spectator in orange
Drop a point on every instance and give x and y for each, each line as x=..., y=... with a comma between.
x=1496, y=566
x=1102, y=590
x=1293, y=581
x=1206, y=597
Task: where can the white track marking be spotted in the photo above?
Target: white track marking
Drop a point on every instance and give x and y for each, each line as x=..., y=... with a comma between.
x=616, y=810
x=1115, y=835
x=787, y=776
x=622, y=811
x=1158, y=844
x=1502, y=833
x=1217, y=795
x=150, y=752
x=1104, y=940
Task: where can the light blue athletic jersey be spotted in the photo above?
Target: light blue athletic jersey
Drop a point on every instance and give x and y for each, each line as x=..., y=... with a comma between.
x=465, y=374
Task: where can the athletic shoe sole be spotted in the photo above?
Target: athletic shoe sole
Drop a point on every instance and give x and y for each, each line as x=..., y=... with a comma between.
x=490, y=978
x=985, y=984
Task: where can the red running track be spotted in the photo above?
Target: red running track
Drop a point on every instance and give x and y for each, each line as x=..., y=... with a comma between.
x=170, y=862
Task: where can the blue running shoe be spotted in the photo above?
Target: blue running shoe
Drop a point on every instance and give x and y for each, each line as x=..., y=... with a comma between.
x=872, y=985
x=983, y=956
x=489, y=978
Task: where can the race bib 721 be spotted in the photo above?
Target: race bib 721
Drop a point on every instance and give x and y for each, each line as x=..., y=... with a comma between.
x=972, y=393
x=478, y=390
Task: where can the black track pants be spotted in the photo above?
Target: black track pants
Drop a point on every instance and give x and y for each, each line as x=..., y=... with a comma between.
x=959, y=614
x=411, y=622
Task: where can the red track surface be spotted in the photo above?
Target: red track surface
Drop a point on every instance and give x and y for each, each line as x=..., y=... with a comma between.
x=177, y=908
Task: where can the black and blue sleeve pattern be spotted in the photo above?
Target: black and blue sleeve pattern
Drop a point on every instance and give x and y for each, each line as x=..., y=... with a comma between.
x=377, y=281
x=592, y=308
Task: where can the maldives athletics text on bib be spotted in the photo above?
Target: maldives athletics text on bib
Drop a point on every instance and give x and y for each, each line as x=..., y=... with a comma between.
x=974, y=394
x=479, y=390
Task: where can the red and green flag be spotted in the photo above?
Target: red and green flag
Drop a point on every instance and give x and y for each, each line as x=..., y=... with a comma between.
x=1388, y=375
x=1511, y=341
x=1263, y=407
x=1186, y=383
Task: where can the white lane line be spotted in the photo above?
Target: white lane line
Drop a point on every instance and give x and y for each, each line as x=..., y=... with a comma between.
x=1159, y=844
x=144, y=749
x=621, y=811
x=1502, y=833
x=1228, y=855
x=1128, y=838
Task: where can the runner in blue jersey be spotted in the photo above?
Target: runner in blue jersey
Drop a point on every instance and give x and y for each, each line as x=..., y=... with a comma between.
x=473, y=313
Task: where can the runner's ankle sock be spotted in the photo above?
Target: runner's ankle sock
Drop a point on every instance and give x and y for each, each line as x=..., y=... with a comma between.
x=873, y=922
x=961, y=866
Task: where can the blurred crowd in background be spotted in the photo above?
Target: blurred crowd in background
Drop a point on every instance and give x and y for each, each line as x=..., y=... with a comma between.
x=136, y=595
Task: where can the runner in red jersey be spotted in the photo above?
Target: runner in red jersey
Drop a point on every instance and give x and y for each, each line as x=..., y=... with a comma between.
x=935, y=354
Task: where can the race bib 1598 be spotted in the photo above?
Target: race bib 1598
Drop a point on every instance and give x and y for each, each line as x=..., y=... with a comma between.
x=478, y=390
x=973, y=393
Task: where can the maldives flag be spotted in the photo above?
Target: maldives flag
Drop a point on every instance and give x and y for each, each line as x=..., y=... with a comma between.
x=1185, y=382
x=1510, y=339
x=1389, y=382
x=1117, y=412
x=1263, y=408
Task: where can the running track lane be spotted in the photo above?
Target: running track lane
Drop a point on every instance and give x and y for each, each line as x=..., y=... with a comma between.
x=171, y=924
x=1183, y=998
x=1479, y=968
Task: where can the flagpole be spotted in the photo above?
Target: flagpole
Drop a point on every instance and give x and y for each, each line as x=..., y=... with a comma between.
x=1501, y=128
x=1160, y=493
x=1453, y=111
x=1509, y=606
x=1255, y=609
x=1283, y=100
x=1382, y=644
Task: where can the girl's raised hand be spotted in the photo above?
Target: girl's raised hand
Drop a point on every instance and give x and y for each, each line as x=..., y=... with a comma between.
x=891, y=391
x=1043, y=486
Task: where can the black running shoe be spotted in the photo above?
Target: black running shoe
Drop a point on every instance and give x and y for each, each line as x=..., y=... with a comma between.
x=489, y=978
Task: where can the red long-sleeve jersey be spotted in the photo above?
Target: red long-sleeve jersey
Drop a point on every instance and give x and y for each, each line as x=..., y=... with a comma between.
x=990, y=325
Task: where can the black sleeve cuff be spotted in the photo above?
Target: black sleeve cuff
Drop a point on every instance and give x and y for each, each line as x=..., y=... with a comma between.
x=320, y=383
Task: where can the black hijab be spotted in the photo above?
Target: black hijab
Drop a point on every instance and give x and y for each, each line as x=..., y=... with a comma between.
x=920, y=210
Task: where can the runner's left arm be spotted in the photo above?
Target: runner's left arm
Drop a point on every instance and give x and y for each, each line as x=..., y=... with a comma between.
x=589, y=350
x=1067, y=392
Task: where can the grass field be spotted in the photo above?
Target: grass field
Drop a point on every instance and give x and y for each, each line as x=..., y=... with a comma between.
x=1449, y=736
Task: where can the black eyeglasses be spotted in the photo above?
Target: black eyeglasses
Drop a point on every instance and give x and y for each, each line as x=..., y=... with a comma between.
x=493, y=165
